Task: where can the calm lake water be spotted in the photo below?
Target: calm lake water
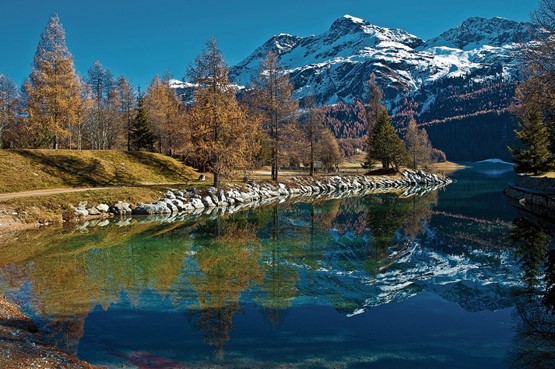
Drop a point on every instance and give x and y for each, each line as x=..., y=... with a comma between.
x=450, y=279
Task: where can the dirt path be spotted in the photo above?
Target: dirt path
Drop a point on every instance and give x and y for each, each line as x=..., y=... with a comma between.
x=56, y=191
x=51, y=191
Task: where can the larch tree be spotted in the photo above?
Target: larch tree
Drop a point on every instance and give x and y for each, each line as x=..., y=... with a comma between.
x=418, y=145
x=126, y=104
x=314, y=130
x=328, y=151
x=274, y=98
x=535, y=156
x=53, y=91
x=165, y=115
x=78, y=130
x=9, y=102
x=220, y=128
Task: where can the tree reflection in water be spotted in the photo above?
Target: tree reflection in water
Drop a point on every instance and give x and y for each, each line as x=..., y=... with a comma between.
x=534, y=343
x=212, y=262
x=227, y=263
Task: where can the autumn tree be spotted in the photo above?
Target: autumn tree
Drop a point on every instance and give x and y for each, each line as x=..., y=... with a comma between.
x=318, y=142
x=9, y=102
x=52, y=90
x=418, y=145
x=274, y=99
x=78, y=129
x=386, y=147
x=328, y=150
x=314, y=128
x=220, y=128
x=535, y=155
x=141, y=135
x=165, y=114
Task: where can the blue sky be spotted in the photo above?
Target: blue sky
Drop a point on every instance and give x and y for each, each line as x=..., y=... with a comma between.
x=140, y=38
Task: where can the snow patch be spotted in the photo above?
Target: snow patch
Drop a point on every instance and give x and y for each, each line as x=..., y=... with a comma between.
x=354, y=19
x=495, y=161
x=356, y=312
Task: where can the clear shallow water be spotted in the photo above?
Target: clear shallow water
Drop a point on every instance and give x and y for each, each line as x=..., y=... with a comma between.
x=375, y=282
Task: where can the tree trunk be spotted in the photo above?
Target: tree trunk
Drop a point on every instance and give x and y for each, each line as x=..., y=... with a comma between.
x=312, y=158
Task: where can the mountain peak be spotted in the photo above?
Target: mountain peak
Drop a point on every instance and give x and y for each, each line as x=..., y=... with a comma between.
x=362, y=29
x=347, y=24
x=353, y=19
x=476, y=32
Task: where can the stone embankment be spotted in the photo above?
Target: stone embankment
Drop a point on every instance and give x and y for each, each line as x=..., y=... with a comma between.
x=233, y=197
x=533, y=194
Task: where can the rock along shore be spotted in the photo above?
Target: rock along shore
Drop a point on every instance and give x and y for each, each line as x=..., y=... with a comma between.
x=236, y=196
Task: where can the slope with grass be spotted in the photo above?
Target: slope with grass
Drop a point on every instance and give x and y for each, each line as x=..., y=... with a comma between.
x=24, y=170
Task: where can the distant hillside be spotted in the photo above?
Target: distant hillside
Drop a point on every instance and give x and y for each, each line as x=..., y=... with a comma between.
x=24, y=170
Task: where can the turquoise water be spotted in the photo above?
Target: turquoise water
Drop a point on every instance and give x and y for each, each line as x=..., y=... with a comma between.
x=432, y=281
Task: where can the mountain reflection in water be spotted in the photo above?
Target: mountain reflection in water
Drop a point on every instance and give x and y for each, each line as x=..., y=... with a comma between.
x=446, y=279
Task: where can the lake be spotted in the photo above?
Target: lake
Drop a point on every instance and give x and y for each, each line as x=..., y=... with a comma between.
x=455, y=278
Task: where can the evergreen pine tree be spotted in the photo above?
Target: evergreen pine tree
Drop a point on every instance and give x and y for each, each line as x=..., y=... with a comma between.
x=126, y=104
x=373, y=109
x=141, y=135
x=535, y=156
x=387, y=147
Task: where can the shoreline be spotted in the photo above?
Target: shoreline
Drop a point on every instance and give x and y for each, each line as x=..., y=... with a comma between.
x=230, y=197
x=23, y=345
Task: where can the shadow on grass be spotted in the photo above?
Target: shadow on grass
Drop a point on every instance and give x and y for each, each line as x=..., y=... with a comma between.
x=89, y=171
x=73, y=171
x=160, y=164
x=381, y=172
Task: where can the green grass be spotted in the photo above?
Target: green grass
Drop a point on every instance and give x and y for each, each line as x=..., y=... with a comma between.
x=23, y=170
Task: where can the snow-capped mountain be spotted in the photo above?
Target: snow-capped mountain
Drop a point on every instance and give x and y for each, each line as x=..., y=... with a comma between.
x=335, y=65
x=466, y=73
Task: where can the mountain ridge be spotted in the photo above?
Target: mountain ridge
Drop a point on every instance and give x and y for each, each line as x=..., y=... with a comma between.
x=459, y=84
